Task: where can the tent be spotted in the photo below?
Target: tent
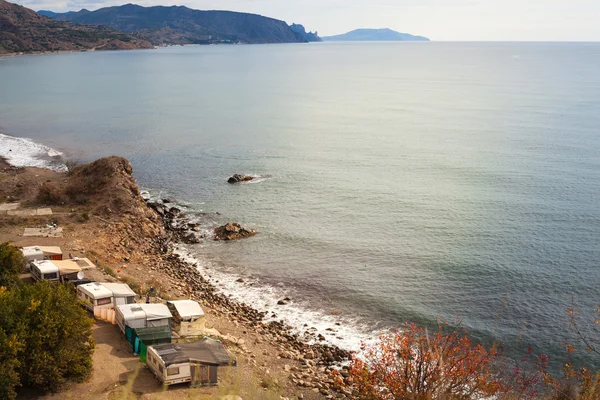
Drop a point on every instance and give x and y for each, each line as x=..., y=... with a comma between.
x=69, y=270
x=122, y=293
x=142, y=316
x=188, y=317
x=195, y=362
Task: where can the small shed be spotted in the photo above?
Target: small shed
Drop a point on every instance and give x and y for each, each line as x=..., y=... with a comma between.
x=188, y=317
x=122, y=293
x=195, y=362
x=96, y=296
x=33, y=253
x=142, y=316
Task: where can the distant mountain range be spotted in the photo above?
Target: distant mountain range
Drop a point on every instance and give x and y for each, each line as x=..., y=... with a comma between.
x=24, y=31
x=181, y=25
x=364, y=35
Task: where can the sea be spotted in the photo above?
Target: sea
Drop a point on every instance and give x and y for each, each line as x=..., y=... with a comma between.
x=394, y=182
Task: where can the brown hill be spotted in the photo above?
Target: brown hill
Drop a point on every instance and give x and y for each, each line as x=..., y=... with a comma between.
x=24, y=31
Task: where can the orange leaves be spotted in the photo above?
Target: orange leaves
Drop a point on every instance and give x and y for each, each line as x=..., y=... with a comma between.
x=416, y=364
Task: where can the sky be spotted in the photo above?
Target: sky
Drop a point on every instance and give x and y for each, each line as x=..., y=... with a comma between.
x=443, y=20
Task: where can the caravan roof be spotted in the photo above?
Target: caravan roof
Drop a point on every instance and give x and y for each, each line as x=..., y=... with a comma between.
x=32, y=251
x=119, y=289
x=46, y=266
x=187, y=309
x=95, y=290
x=147, y=311
x=205, y=351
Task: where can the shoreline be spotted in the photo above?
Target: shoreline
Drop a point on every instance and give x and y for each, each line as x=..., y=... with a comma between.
x=151, y=242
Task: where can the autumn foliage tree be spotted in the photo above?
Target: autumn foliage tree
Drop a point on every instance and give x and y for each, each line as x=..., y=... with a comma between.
x=415, y=364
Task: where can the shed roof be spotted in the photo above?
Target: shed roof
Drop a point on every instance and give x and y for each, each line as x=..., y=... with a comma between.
x=187, y=308
x=119, y=289
x=50, y=250
x=96, y=290
x=32, y=251
x=205, y=351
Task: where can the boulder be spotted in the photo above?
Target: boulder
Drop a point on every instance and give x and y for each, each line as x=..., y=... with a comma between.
x=232, y=231
x=236, y=178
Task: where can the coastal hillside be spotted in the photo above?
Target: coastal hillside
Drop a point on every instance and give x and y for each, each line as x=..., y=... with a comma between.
x=181, y=25
x=24, y=31
x=368, y=35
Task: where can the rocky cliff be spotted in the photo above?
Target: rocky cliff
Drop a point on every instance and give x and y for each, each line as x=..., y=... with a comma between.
x=182, y=25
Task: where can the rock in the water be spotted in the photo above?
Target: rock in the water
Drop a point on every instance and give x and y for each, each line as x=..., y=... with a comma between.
x=232, y=231
x=236, y=178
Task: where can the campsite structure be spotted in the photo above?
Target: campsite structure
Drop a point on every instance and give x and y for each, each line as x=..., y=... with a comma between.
x=38, y=253
x=44, y=270
x=188, y=317
x=55, y=271
x=196, y=363
x=99, y=295
x=138, y=316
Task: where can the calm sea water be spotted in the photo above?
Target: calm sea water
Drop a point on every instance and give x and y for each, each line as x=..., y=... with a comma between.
x=398, y=181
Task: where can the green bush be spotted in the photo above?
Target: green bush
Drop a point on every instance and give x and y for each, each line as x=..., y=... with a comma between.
x=45, y=338
x=11, y=265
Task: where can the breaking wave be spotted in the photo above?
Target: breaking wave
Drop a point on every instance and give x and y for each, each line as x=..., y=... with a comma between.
x=23, y=152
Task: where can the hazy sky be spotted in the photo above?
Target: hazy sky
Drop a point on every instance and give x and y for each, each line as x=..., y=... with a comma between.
x=550, y=20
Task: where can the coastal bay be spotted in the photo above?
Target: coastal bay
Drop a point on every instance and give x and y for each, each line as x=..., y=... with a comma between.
x=467, y=191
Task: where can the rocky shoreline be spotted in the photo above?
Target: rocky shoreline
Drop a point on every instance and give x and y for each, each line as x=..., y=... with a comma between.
x=317, y=360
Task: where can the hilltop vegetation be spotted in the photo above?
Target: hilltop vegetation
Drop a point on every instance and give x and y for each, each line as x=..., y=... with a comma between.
x=24, y=30
x=181, y=25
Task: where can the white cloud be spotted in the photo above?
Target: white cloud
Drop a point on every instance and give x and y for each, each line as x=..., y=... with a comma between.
x=550, y=20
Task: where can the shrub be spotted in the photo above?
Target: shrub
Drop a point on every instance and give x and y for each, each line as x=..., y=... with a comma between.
x=72, y=164
x=11, y=265
x=45, y=338
x=50, y=193
x=414, y=364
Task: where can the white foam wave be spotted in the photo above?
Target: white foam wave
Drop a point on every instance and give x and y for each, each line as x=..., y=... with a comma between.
x=23, y=152
x=342, y=331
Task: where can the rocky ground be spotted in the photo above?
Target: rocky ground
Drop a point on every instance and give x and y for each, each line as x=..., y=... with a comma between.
x=105, y=219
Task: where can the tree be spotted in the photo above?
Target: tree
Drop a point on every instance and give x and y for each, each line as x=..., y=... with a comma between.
x=11, y=265
x=45, y=338
x=414, y=364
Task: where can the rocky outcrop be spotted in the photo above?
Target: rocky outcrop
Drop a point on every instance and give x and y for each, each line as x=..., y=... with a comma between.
x=236, y=178
x=232, y=231
x=178, y=224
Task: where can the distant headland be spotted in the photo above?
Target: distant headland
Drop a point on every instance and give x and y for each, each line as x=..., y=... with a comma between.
x=372, y=35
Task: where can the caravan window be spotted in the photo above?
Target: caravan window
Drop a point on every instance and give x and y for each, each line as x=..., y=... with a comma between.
x=101, y=302
x=51, y=275
x=172, y=371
